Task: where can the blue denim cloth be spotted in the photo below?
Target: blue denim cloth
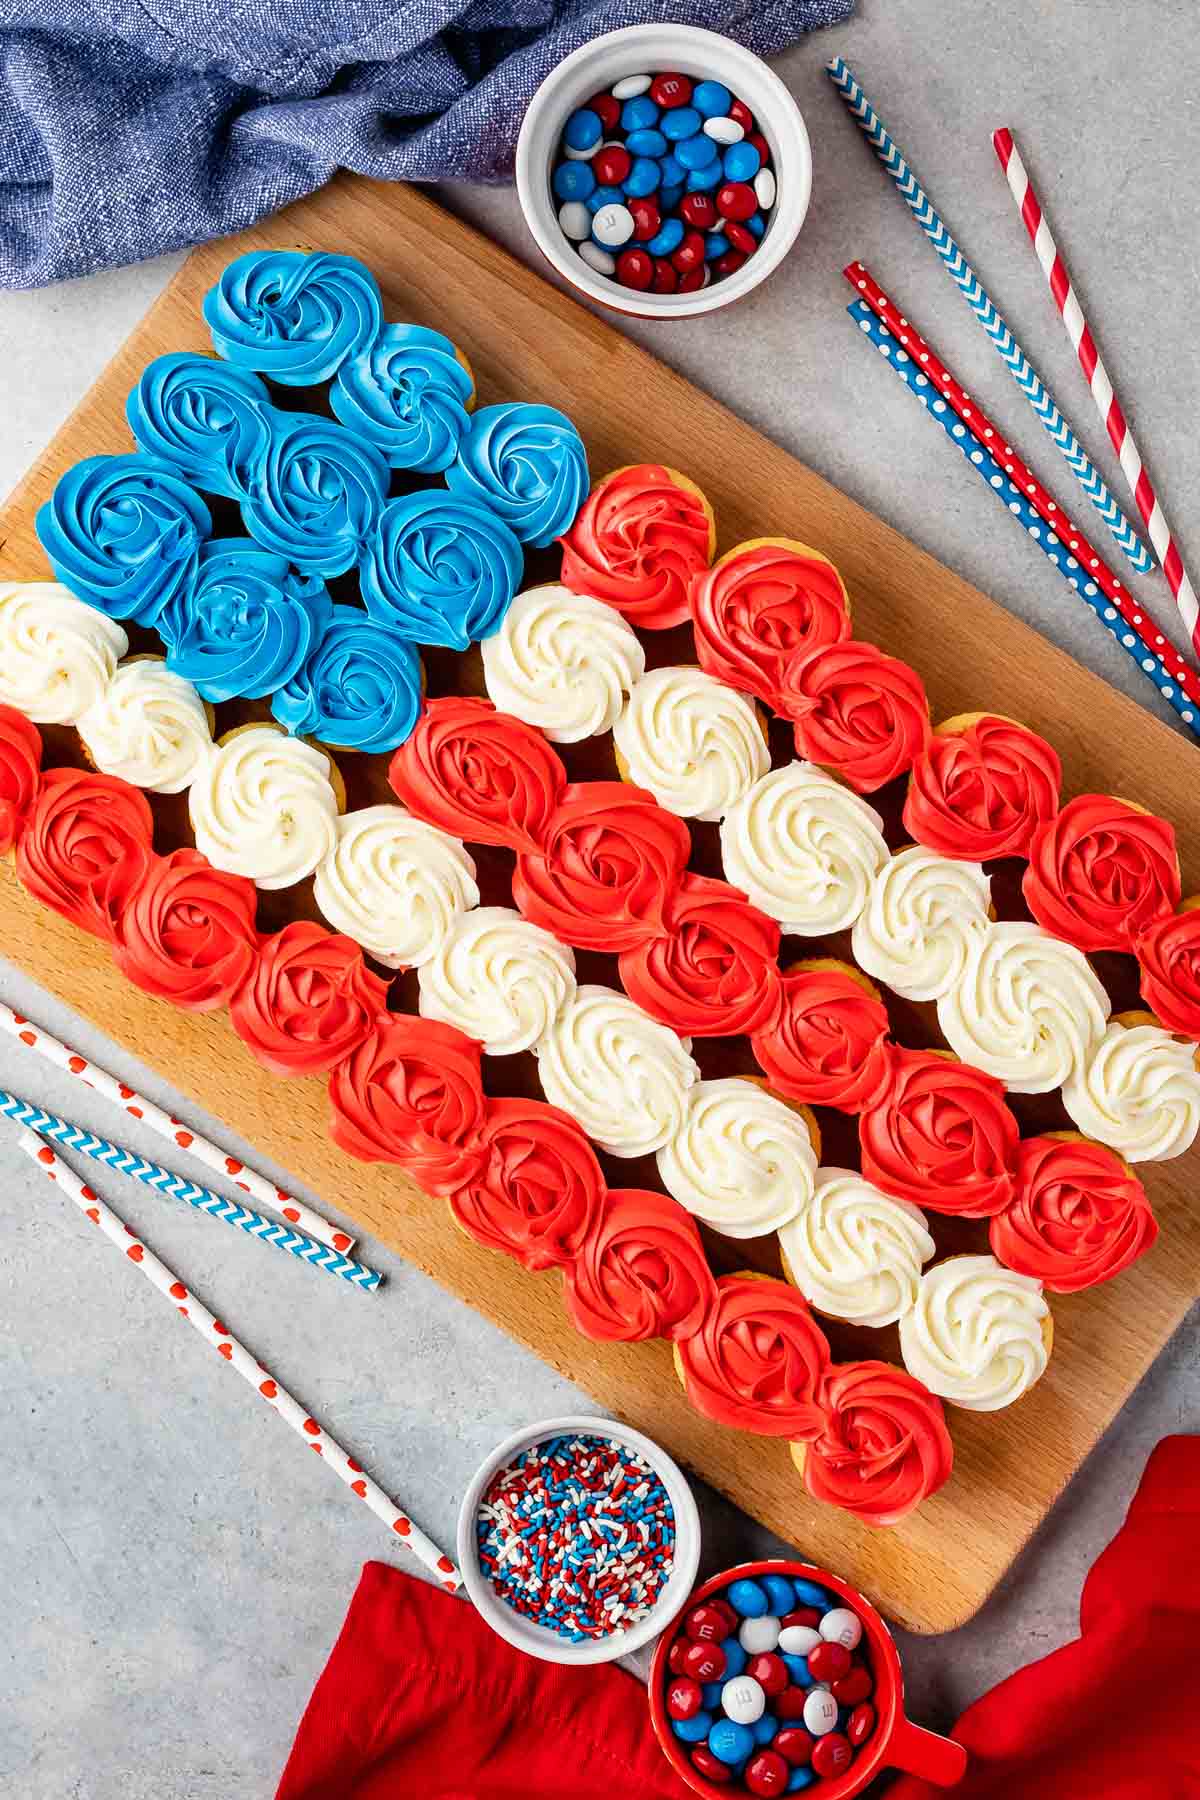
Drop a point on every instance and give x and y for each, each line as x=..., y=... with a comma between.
x=130, y=127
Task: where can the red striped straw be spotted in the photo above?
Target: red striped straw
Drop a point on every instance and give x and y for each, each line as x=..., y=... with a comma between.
x=981, y=427
x=1098, y=380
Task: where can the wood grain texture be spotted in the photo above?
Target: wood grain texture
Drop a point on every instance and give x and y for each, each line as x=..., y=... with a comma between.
x=524, y=339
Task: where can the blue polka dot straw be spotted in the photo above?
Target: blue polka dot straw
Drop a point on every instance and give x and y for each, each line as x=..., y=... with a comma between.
x=990, y=472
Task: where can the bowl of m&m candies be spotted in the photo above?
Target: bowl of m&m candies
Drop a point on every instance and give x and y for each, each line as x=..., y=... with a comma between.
x=664, y=170
x=777, y=1678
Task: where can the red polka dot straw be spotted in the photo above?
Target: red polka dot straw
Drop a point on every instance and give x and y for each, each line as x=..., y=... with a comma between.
x=218, y=1334
x=138, y=1107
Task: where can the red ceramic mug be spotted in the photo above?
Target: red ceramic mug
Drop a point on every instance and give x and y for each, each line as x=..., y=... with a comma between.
x=896, y=1742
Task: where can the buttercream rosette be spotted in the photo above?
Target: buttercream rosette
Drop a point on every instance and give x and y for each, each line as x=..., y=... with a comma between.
x=1079, y=1215
x=640, y=1273
x=1102, y=872
x=639, y=540
x=804, y=849
x=57, y=656
x=758, y=1360
x=563, y=662
x=743, y=1162
x=20, y=772
x=441, y=568
x=293, y=315
x=411, y=1093
x=828, y=1043
x=921, y=917
x=85, y=847
x=695, y=744
x=883, y=1447
x=979, y=1335
x=207, y=420
x=410, y=393
x=762, y=604
x=856, y=711
x=981, y=788
x=527, y=463
x=497, y=978
x=359, y=688
x=309, y=1002
x=539, y=1193
x=1168, y=954
x=263, y=804
x=713, y=970
x=941, y=1136
x=621, y=1074
x=187, y=932
x=394, y=884
x=856, y=1253
x=149, y=727
x=610, y=859
x=479, y=774
x=1138, y=1090
x=246, y=623
x=317, y=497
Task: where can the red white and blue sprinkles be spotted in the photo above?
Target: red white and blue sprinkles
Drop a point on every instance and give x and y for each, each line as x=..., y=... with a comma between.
x=577, y=1535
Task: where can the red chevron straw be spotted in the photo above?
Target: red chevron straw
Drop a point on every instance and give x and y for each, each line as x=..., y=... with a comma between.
x=1098, y=380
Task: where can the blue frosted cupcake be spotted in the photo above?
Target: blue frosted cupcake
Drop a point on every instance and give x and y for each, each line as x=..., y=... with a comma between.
x=442, y=569
x=410, y=394
x=360, y=688
x=317, y=495
x=293, y=316
x=209, y=422
x=528, y=464
x=247, y=623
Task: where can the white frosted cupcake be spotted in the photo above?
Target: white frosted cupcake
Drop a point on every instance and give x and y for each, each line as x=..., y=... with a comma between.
x=804, y=849
x=394, y=884
x=1139, y=1090
x=265, y=805
x=621, y=1074
x=497, y=978
x=979, y=1335
x=855, y=1253
x=57, y=655
x=562, y=662
x=745, y=1161
x=922, y=913
x=149, y=727
x=695, y=744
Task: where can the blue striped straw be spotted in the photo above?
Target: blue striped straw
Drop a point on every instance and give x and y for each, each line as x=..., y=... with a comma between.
x=968, y=284
x=993, y=477
x=230, y=1212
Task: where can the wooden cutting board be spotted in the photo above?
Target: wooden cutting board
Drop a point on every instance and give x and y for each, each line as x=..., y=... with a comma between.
x=526, y=340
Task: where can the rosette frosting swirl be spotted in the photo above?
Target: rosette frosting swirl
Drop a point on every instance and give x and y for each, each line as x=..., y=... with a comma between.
x=1102, y=872
x=358, y=689
x=293, y=315
x=1169, y=957
x=497, y=978
x=982, y=789
x=86, y=847
x=922, y=915
x=187, y=934
x=262, y=805
x=694, y=743
x=856, y=711
x=620, y=1073
x=638, y=542
x=758, y=1361
x=540, y=1192
x=854, y=1252
x=712, y=972
x=761, y=605
x=742, y=1161
x=978, y=1335
x=310, y=1000
x=207, y=421
x=411, y=1093
x=149, y=727
x=941, y=1136
x=441, y=569
x=1138, y=1091
x=562, y=662
x=20, y=771
x=804, y=849
x=394, y=884
x=611, y=859
x=57, y=655
x=1079, y=1216
x=124, y=534
x=1027, y=1008
x=410, y=394
x=479, y=774
x=246, y=624
x=317, y=497
x=641, y=1273
x=527, y=463
x=883, y=1447
x=828, y=1044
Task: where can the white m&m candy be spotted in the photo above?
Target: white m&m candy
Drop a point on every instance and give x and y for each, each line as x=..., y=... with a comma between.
x=798, y=1640
x=724, y=131
x=757, y=1636
x=598, y=259
x=820, y=1711
x=630, y=86
x=613, y=225
x=744, y=1701
x=841, y=1626
x=575, y=219
x=764, y=189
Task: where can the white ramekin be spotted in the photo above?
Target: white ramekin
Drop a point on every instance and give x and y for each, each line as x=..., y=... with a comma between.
x=649, y=49
x=536, y=1640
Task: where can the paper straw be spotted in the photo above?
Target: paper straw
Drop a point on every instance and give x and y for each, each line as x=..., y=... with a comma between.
x=138, y=1107
x=230, y=1212
x=217, y=1334
x=966, y=280
x=1097, y=573
x=988, y=469
x=1097, y=378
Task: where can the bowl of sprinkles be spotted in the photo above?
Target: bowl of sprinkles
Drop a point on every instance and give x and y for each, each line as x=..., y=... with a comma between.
x=664, y=170
x=578, y=1540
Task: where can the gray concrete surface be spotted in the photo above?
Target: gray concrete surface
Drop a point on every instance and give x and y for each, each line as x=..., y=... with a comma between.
x=174, y=1570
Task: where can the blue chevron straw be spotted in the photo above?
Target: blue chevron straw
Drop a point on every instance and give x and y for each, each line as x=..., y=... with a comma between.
x=968, y=284
x=230, y=1212
x=993, y=477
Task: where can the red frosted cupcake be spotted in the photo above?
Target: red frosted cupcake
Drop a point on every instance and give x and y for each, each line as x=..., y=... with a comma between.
x=479, y=774
x=981, y=788
x=856, y=711
x=20, y=768
x=641, y=1273
x=941, y=1136
x=828, y=1044
x=761, y=605
x=883, y=1446
x=1168, y=952
x=1102, y=872
x=310, y=1000
x=758, y=1360
x=86, y=847
x=639, y=540
x=187, y=934
x=1078, y=1217
x=712, y=972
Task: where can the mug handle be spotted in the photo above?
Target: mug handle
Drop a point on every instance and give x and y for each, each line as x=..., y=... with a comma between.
x=923, y=1753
